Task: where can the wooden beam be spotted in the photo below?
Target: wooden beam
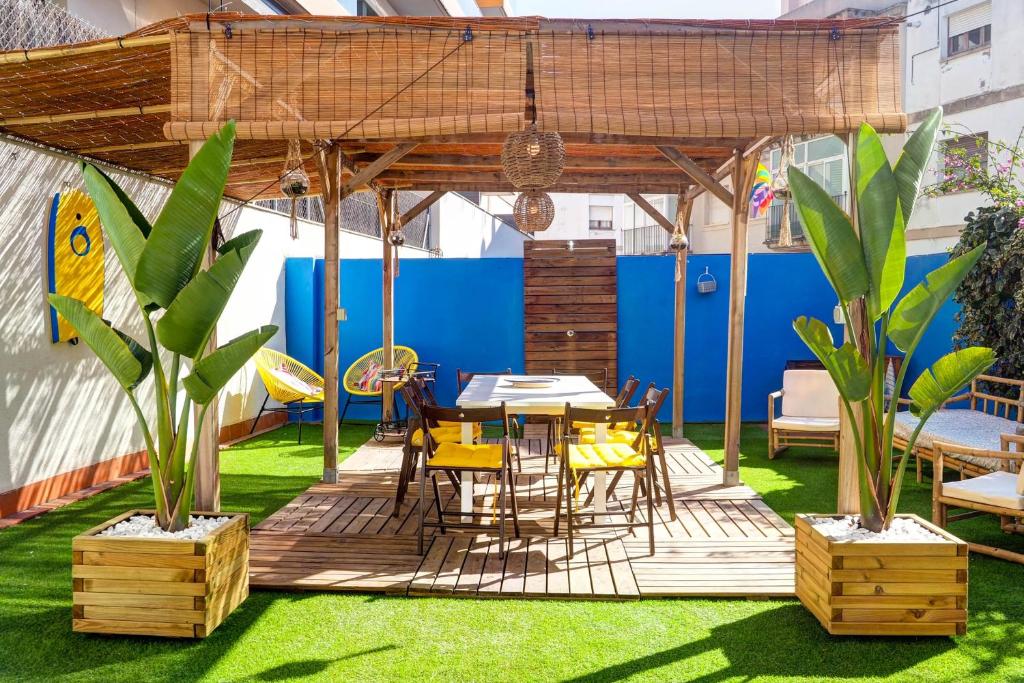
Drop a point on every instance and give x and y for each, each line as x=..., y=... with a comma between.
x=675, y=179
x=492, y=162
x=329, y=168
x=698, y=174
x=652, y=212
x=420, y=207
x=848, y=499
x=742, y=175
x=207, y=468
x=725, y=169
x=683, y=211
x=508, y=188
x=87, y=115
x=376, y=167
x=387, y=212
x=22, y=56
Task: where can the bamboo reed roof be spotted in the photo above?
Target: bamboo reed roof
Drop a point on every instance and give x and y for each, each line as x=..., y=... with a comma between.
x=614, y=89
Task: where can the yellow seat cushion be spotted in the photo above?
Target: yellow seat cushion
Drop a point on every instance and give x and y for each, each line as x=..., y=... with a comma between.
x=576, y=424
x=459, y=455
x=625, y=436
x=596, y=456
x=444, y=434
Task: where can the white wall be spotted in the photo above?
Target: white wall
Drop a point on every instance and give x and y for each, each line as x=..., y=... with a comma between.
x=59, y=407
x=572, y=215
x=466, y=230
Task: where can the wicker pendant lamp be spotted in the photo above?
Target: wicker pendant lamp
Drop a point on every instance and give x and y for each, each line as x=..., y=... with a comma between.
x=532, y=159
x=534, y=211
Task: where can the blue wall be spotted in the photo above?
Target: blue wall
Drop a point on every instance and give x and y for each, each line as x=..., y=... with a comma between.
x=468, y=313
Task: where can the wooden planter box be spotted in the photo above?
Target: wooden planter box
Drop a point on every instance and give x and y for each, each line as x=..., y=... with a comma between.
x=156, y=586
x=882, y=588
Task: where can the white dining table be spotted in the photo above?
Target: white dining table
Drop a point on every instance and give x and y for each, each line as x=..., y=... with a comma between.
x=488, y=391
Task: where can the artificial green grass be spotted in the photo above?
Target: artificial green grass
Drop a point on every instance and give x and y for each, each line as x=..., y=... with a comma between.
x=333, y=637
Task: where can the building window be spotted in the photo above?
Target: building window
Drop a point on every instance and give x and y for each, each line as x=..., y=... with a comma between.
x=821, y=158
x=969, y=29
x=601, y=218
x=363, y=9
x=961, y=156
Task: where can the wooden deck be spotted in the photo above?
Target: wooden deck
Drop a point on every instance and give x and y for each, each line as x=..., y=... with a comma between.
x=342, y=537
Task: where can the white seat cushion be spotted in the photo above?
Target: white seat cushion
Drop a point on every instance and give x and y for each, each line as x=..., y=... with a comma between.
x=971, y=428
x=806, y=424
x=809, y=393
x=996, y=488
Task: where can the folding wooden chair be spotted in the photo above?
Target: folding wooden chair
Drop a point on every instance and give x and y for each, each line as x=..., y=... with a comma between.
x=622, y=400
x=628, y=434
x=576, y=461
x=495, y=459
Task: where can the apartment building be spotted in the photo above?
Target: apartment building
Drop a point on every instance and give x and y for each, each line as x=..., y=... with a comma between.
x=964, y=55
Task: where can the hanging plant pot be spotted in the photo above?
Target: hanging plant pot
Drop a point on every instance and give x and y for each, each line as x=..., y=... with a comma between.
x=706, y=282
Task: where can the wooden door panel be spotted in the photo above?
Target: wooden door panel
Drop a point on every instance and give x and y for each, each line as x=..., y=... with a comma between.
x=571, y=308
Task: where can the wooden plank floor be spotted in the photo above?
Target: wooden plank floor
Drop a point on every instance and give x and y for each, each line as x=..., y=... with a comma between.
x=343, y=537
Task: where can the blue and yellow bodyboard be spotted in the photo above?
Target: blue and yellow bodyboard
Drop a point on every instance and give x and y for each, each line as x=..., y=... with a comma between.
x=75, y=265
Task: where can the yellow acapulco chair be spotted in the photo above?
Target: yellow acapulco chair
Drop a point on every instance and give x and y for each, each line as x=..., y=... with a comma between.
x=362, y=380
x=288, y=382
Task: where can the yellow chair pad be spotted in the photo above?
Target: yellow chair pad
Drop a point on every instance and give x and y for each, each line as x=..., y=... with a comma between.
x=576, y=424
x=468, y=456
x=444, y=434
x=596, y=456
x=626, y=436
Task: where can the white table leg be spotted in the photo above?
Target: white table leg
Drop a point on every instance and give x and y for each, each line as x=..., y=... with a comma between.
x=600, y=477
x=466, y=494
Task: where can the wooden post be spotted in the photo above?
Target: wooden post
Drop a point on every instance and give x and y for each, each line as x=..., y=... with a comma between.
x=683, y=210
x=848, y=498
x=207, y=472
x=387, y=209
x=742, y=174
x=329, y=165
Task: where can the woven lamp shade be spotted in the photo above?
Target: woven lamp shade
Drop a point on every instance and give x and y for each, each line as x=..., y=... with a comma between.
x=532, y=159
x=534, y=211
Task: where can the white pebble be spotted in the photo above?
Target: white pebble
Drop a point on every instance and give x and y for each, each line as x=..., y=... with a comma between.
x=849, y=529
x=145, y=526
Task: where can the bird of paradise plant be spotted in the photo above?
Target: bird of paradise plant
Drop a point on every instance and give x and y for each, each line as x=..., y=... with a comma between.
x=866, y=268
x=162, y=262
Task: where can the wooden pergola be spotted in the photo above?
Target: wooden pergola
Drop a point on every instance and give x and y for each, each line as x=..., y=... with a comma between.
x=425, y=104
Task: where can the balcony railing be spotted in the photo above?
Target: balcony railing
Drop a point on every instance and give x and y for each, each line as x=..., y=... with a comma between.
x=774, y=224
x=647, y=239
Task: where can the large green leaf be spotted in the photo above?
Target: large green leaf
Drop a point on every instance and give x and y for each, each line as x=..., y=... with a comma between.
x=845, y=365
x=192, y=316
x=124, y=235
x=948, y=375
x=915, y=311
x=210, y=374
x=133, y=211
x=174, y=250
x=126, y=359
x=913, y=160
x=831, y=236
x=881, y=235
x=240, y=242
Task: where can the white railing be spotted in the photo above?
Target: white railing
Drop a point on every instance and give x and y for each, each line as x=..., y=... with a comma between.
x=27, y=24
